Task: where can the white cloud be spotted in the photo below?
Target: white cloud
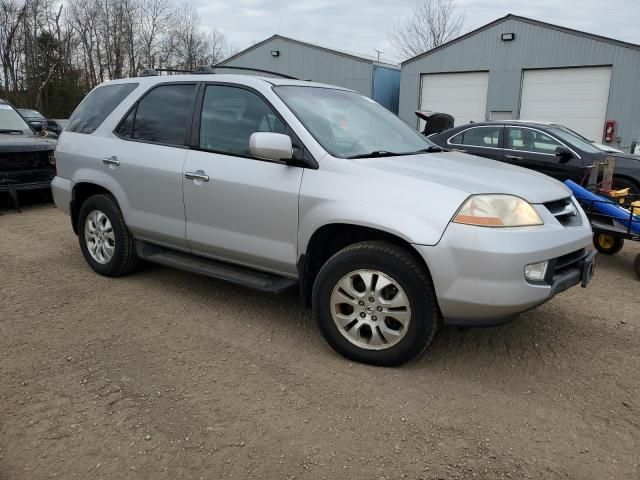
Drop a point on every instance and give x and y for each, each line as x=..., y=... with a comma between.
x=363, y=25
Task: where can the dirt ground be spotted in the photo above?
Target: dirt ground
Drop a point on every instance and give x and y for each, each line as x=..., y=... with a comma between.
x=167, y=375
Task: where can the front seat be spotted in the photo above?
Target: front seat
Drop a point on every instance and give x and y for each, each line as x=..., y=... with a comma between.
x=528, y=140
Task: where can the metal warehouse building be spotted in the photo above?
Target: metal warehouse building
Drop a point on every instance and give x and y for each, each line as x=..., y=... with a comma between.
x=516, y=67
x=378, y=80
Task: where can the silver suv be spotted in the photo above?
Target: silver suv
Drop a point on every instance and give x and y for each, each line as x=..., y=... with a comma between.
x=275, y=183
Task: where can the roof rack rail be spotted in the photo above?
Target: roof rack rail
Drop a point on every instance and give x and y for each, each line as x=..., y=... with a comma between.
x=257, y=70
x=207, y=70
x=203, y=69
x=148, y=72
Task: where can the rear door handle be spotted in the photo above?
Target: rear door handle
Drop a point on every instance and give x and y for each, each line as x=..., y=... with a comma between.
x=514, y=157
x=197, y=175
x=111, y=161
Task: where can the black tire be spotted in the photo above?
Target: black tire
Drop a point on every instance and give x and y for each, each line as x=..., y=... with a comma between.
x=410, y=275
x=124, y=259
x=607, y=244
x=636, y=266
x=619, y=183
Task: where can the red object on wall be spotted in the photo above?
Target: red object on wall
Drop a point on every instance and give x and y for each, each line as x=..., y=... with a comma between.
x=609, y=131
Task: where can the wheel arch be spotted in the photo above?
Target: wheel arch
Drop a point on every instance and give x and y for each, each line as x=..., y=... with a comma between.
x=628, y=178
x=80, y=193
x=330, y=238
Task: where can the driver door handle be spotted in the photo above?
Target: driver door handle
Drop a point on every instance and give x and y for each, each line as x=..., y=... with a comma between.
x=514, y=157
x=197, y=175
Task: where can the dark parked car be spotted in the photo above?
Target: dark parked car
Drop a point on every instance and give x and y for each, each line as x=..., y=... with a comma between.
x=544, y=147
x=39, y=122
x=26, y=158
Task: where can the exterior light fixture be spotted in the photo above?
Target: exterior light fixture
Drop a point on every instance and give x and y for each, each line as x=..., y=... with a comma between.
x=275, y=53
x=508, y=37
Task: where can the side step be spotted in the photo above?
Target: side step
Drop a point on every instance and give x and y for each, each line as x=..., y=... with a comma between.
x=254, y=279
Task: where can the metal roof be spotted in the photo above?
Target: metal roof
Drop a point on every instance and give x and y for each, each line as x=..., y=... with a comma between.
x=344, y=53
x=531, y=21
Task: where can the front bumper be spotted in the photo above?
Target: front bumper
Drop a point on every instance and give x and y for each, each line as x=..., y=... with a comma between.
x=478, y=272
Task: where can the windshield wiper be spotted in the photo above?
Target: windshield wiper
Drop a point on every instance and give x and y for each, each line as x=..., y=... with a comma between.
x=431, y=149
x=10, y=130
x=377, y=154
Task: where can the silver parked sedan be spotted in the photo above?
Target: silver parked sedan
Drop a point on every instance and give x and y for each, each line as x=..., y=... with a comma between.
x=275, y=183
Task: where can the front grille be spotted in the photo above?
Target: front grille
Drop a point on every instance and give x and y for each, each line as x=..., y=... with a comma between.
x=20, y=168
x=24, y=161
x=565, y=211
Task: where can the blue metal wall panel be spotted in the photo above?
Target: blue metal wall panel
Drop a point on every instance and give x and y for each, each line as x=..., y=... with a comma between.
x=386, y=87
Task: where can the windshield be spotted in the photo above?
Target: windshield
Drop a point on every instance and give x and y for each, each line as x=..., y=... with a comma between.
x=11, y=121
x=349, y=125
x=574, y=139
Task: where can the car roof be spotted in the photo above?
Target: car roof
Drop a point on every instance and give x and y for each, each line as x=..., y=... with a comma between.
x=525, y=123
x=240, y=79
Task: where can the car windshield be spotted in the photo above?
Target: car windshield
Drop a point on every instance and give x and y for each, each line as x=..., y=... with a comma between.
x=574, y=139
x=350, y=125
x=11, y=121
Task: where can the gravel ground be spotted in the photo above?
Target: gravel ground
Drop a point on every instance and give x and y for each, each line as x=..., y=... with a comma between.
x=167, y=375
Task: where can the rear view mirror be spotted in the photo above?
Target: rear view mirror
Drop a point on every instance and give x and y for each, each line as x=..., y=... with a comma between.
x=271, y=146
x=564, y=154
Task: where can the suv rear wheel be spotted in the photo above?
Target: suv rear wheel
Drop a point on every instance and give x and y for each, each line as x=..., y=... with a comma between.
x=105, y=241
x=374, y=303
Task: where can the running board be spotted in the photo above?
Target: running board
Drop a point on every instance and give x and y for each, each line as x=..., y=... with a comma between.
x=254, y=279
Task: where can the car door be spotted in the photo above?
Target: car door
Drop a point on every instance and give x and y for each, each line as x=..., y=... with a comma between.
x=239, y=208
x=147, y=161
x=484, y=141
x=532, y=148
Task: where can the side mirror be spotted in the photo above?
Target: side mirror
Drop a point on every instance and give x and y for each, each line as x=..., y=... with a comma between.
x=271, y=146
x=564, y=154
x=37, y=126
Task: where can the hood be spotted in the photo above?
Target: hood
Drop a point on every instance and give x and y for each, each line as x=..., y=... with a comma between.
x=626, y=156
x=10, y=143
x=472, y=175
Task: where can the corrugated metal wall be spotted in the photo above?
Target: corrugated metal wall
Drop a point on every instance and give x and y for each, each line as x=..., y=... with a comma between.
x=386, y=87
x=535, y=46
x=309, y=63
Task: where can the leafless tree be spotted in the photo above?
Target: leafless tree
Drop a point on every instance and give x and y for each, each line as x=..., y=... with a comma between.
x=11, y=16
x=53, y=51
x=156, y=19
x=432, y=23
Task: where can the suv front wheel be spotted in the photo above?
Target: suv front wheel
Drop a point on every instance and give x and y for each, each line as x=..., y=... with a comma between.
x=105, y=241
x=374, y=303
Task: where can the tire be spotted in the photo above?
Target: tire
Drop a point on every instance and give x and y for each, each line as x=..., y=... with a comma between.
x=123, y=258
x=607, y=244
x=620, y=183
x=636, y=266
x=361, y=336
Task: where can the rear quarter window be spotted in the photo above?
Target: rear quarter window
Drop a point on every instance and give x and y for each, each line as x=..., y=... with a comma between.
x=97, y=106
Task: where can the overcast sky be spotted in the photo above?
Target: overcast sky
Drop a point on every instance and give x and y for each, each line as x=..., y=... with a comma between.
x=362, y=25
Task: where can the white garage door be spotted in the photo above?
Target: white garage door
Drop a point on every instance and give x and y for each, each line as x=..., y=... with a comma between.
x=463, y=95
x=575, y=97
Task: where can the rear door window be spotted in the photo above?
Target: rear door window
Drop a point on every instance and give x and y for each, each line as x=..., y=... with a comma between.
x=97, y=106
x=478, y=137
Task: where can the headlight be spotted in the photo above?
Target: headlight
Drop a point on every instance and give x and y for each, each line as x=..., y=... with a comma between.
x=497, y=211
